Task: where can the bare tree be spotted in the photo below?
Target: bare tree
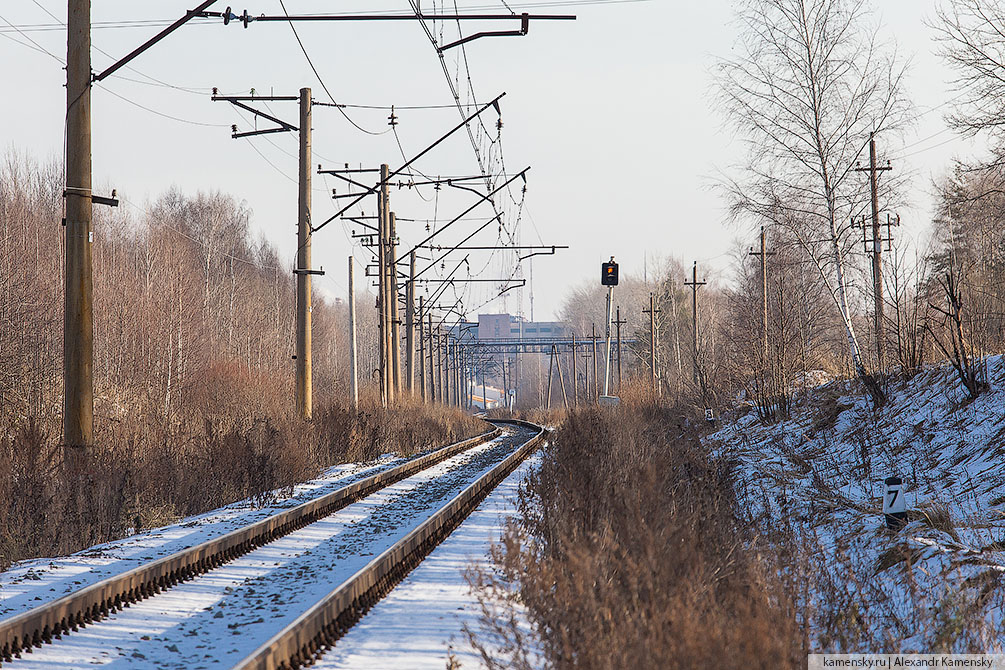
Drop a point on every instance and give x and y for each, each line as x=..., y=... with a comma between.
x=959, y=349
x=973, y=37
x=809, y=84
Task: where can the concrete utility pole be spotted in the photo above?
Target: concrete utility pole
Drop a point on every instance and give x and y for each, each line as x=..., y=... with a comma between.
x=78, y=329
x=353, y=364
x=763, y=253
x=410, y=325
x=596, y=375
x=556, y=361
x=433, y=387
x=303, y=348
x=448, y=369
x=877, y=252
x=652, y=312
x=392, y=271
x=452, y=369
x=440, y=377
x=459, y=371
x=448, y=384
x=485, y=393
x=422, y=347
x=694, y=284
x=383, y=289
x=617, y=324
x=575, y=375
x=561, y=379
x=551, y=365
x=607, y=335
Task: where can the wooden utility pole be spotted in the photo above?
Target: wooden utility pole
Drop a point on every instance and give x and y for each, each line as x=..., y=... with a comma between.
x=410, y=325
x=652, y=312
x=78, y=328
x=617, y=325
x=763, y=253
x=422, y=344
x=694, y=284
x=303, y=348
x=353, y=365
x=877, y=252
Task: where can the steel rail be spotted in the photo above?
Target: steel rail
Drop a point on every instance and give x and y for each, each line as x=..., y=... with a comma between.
x=39, y=625
x=300, y=642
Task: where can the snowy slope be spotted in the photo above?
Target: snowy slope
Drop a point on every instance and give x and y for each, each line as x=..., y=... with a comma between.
x=820, y=475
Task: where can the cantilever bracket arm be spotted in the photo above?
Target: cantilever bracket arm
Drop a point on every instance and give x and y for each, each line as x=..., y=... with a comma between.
x=189, y=15
x=494, y=103
x=281, y=126
x=524, y=28
x=550, y=252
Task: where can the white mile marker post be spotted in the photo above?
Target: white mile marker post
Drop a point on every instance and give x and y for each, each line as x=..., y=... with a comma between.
x=894, y=503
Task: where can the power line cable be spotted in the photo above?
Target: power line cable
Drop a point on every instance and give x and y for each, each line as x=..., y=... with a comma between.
x=318, y=75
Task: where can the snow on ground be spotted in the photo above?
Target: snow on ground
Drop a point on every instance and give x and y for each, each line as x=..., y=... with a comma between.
x=31, y=583
x=217, y=618
x=822, y=471
x=420, y=623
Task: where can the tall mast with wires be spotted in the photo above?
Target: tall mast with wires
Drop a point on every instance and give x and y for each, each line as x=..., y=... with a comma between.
x=303, y=345
x=78, y=330
x=392, y=272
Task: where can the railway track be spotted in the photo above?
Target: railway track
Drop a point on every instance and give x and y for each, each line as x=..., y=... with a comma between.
x=213, y=605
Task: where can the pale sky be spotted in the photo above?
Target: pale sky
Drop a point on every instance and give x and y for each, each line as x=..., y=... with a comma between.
x=613, y=112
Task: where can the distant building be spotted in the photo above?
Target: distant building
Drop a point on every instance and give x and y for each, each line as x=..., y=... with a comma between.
x=507, y=326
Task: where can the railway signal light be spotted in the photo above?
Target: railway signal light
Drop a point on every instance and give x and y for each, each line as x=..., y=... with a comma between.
x=609, y=273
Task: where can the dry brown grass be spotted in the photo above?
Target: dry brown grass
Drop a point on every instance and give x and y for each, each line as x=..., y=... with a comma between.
x=146, y=472
x=630, y=553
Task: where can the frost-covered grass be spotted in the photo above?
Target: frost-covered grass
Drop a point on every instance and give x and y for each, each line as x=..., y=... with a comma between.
x=813, y=487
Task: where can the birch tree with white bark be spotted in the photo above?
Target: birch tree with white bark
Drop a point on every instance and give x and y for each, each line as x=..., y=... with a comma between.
x=808, y=82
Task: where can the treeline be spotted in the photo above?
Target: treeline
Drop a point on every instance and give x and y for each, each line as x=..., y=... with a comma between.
x=192, y=313
x=944, y=303
x=813, y=89
x=193, y=369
